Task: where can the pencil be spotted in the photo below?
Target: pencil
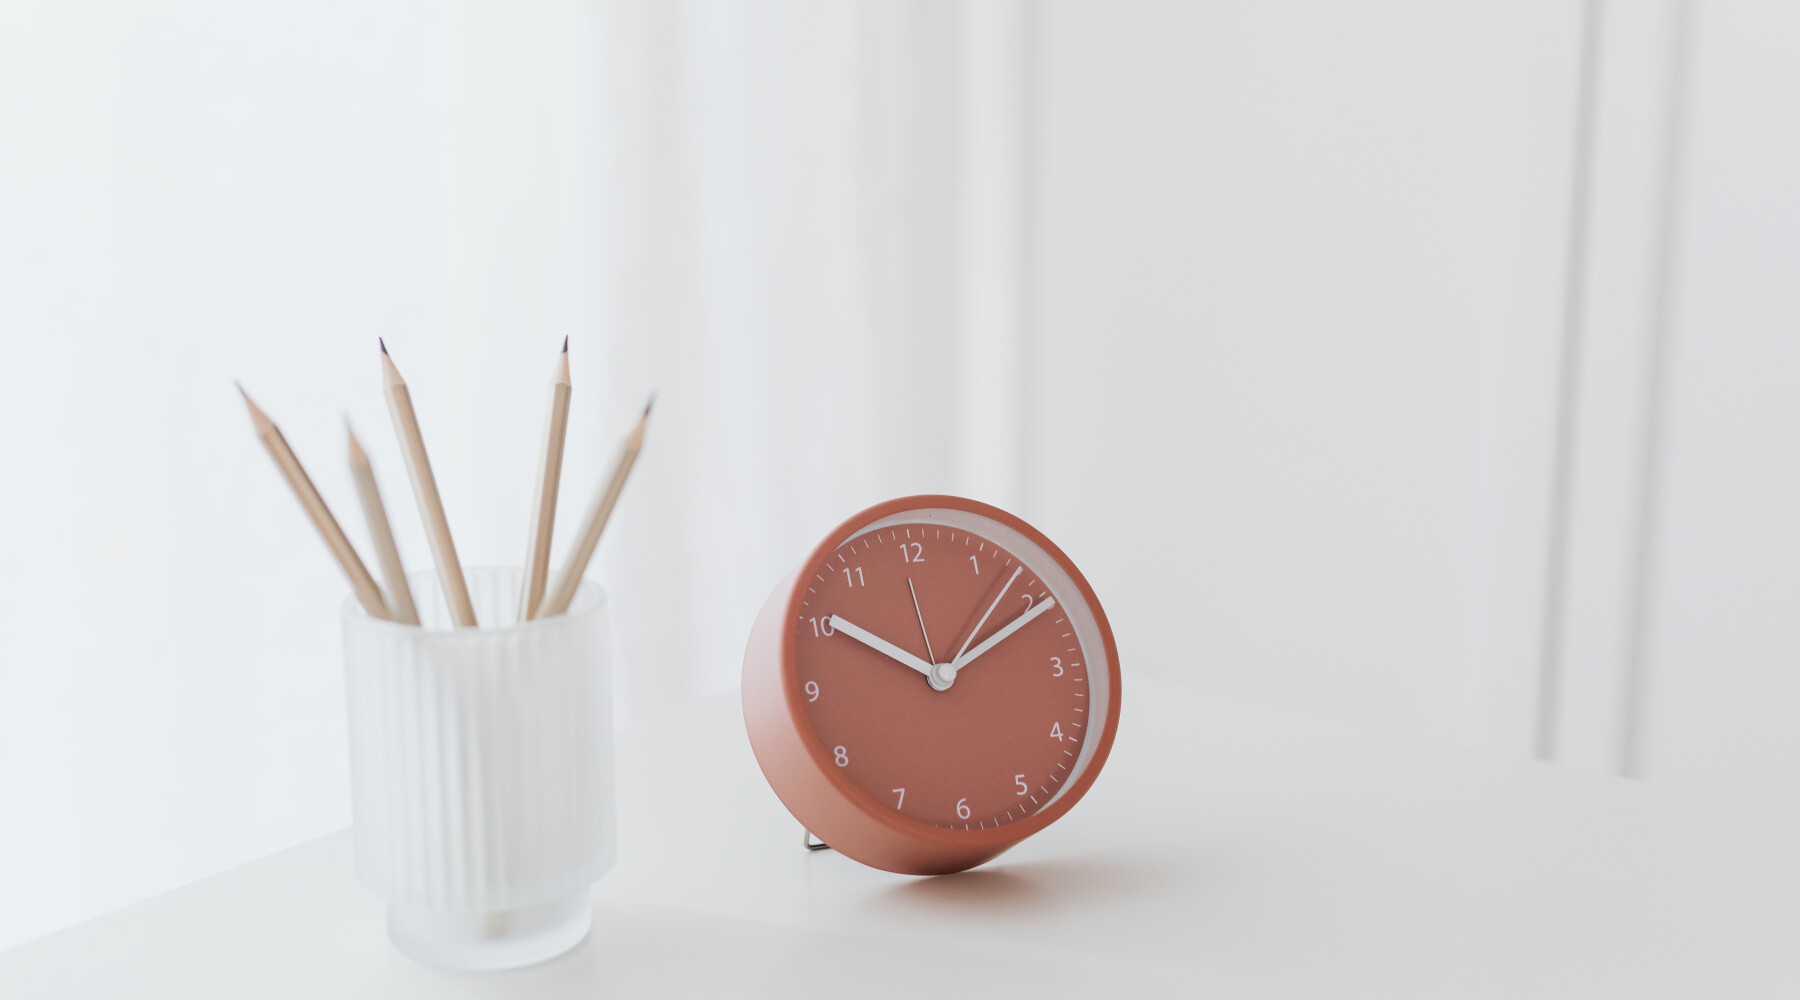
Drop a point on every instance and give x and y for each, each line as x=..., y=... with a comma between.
x=557, y=600
x=543, y=501
x=431, y=507
x=399, y=594
x=366, y=590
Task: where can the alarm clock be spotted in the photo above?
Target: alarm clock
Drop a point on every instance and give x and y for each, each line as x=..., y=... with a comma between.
x=934, y=683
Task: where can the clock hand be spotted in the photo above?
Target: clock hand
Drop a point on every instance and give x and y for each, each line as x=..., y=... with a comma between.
x=921, y=614
x=1008, y=629
x=878, y=644
x=958, y=658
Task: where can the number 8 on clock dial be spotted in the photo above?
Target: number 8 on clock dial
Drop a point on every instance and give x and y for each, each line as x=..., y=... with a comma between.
x=935, y=683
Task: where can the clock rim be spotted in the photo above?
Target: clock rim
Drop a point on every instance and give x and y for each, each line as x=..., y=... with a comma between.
x=998, y=837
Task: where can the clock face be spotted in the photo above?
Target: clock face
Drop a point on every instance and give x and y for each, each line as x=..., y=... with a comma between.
x=950, y=668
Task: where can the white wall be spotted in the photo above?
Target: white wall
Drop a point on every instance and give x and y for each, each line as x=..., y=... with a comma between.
x=1676, y=652
x=1721, y=675
x=1322, y=335
x=1294, y=342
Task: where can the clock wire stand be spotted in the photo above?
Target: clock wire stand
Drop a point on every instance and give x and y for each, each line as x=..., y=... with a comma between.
x=811, y=843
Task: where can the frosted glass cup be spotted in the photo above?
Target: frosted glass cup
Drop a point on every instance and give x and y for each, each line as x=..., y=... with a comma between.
x=482, y=774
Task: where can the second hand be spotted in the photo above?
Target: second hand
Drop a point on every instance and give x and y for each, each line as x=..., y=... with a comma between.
x=921, y=614
x=984, y=617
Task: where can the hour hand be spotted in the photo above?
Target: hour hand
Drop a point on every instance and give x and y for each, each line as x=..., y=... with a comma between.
x=878, y=644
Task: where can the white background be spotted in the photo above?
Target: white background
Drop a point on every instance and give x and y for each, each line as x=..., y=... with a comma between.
x=1429, y=365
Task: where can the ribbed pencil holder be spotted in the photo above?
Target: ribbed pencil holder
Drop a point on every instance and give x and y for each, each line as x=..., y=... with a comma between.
x=482, y=773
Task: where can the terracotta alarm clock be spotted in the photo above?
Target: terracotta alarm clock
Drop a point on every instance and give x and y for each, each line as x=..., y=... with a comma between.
x=934, y=684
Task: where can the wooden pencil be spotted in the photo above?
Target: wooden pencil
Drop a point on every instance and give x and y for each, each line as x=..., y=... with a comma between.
x=557, y=600
x=393, y=571
x=543, y=500
x=367, y=592
x=425, y=491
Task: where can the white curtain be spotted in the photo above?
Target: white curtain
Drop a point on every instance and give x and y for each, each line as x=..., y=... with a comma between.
x=810, y=226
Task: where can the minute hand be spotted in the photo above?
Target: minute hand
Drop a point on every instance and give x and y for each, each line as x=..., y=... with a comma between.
x=1008, y=629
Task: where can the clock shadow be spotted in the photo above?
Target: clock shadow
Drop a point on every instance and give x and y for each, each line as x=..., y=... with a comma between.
x=1029, y=889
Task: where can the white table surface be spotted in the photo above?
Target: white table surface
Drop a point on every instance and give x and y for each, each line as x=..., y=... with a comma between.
x=1229, y=849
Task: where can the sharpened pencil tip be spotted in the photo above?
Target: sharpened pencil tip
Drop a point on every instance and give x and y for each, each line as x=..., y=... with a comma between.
x=565, y=343
x=383, y=344
x=257, y=416
x=648, y=405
